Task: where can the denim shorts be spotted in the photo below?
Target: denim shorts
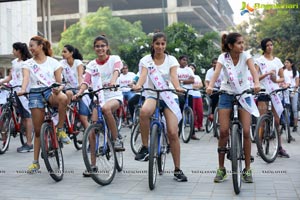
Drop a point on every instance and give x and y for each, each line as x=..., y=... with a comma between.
x=226, y=101
x=36, y=100
x=83, y=109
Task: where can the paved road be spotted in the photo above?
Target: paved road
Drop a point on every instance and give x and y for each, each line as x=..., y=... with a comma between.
x=279, y=180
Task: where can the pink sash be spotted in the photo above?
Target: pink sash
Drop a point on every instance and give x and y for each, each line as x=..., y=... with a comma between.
x=271, y=86
x=160, y=83
x=70, y=75
x=235, y=84
x=46, y=79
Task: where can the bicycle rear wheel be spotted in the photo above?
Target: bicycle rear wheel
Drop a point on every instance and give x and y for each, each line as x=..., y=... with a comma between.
x=51, y=152
x=153, y=155
x=136, y=139
x=236, y=157
x=7, y=126
x=187, y=127
x=118, y=114
x=286, y=125
x=216, y=123
x=267, y=138
x=98, y=154
x=119, y=156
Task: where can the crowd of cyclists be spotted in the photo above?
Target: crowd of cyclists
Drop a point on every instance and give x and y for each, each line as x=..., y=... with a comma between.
x=35, y=69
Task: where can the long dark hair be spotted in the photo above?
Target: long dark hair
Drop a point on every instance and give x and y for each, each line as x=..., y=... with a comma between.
x=263, y=44
x=155, y=37
x=46, y=45
x=22, y=47
x=76, y=54
x=294, y=68
x=231, y=38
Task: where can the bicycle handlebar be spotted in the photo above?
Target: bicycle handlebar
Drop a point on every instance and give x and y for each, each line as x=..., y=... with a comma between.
x=103, y=88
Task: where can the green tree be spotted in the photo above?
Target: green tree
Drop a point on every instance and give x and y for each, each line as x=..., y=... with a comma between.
x=183, y=39
x=118, y=31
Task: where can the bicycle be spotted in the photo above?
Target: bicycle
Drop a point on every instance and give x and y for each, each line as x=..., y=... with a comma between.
x=266, y=133
x=135, y=136
x=159, y=143
x=98, y=145
x=73, y=125
x=50, y=145
x=207, y=111
x=187, y=126
x=10, y=120
x=235, y=147
x=285, y=118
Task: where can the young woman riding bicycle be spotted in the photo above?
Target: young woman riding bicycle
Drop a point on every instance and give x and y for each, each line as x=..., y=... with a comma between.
x=73, y=75
x=164, y=68
x=102, y=72
x=270, y=69
x=235, y=62
x=15, y=77
x=42, y=71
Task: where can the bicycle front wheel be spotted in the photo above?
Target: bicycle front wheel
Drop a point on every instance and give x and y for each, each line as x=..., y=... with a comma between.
x=267, y=138
x=216, y=123
x=164, y=149
x=236, y=157
x=6, y=125
x=208, y=125
x=136, y=139
x=153, y=155
x=98, y=154
x=187, y=127
x=51, y=152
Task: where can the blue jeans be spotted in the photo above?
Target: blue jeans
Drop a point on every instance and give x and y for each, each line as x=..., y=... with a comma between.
x=37, y=100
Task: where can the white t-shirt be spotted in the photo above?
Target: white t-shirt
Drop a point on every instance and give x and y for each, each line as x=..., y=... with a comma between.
x=290, y=75
x=47, y=68
x=106, y=71
x=74, y=69
x=124, y=80
x=209, y=75
x=164, y=70
x=274, y=64
x=16, y=72
x=250, y=79
x=195, y=93
x=241, y=69
x=184, y=74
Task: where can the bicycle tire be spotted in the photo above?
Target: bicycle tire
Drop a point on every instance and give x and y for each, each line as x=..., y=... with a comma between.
x=161, y=160
x=216, y=124
x=119, y=119
x=236, y=158
x=269, y=135
x=78, y=133
x=101, y=176
x=208, y=125
x=51, y=152
x=23, y=138
x=187, y=127
x=252, y=128
x=206, y=106
x=153, y=154
x=287, y=125
x=119, y=157
x=5, y=134
x=136, y=139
